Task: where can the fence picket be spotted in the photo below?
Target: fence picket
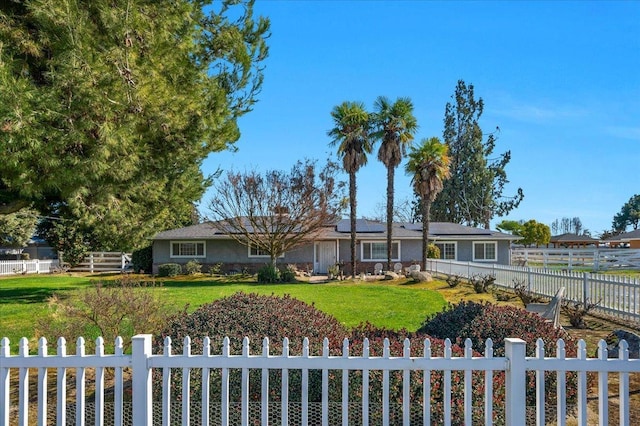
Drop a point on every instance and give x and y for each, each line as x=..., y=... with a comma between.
x=118, y=394
x=468, y=386
x=540, y=386
x=426, y=387
x=582, y=386
x=447, y=385
x=385, y=384
x=406, y=406
x=345, y=385
x=265, y=382
x=603, y=386
x=23, y=385
x=245, y=384
x=206, y=381
x=623, y=389
x=488, y=384
x=561, y=389
x=42, y=384
x=62, y=384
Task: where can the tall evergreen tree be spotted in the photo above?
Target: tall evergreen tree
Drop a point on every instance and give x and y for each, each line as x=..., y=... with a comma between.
x=395, y=126
x=428, y=167
x=629, y=215
x=474, y=194
x=108, y=108
x=351, y=134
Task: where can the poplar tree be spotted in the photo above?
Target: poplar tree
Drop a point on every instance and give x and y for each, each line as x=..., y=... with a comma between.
x=474, y=193
x=108, y=108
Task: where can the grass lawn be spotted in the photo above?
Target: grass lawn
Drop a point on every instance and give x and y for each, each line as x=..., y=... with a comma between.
x=394, y=305
x=24, y=298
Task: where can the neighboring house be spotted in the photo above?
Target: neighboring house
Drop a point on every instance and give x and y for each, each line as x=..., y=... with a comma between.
x=36, y=248
x=207, y=244
x=625, y=240
x=573, y=241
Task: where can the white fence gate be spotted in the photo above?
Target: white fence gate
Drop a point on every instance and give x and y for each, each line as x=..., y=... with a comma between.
x=103, y=261
x=360, y=408
x=614, y=295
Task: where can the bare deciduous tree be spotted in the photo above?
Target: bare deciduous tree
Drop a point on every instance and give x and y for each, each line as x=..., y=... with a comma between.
x=277, y=211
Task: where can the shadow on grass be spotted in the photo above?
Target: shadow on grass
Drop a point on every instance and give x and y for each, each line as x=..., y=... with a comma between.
x=27, y=295
x=221, y=283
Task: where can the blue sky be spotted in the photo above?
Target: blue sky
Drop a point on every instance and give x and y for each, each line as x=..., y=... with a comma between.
x=560, y=79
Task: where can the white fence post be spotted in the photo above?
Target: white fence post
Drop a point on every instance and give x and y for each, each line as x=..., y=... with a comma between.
x=585, y=288
x=4, y=383
x=515, y=381
x=91, y=262
x=141, y=380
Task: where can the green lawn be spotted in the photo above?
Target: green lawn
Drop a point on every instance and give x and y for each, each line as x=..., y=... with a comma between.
x=385, y=304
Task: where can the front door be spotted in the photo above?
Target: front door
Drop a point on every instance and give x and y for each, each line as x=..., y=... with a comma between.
x=325, y=256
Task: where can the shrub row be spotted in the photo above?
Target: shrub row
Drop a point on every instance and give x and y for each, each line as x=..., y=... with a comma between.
x=275, y=317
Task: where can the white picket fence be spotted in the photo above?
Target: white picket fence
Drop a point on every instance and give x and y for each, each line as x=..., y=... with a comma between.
x=36, y=266
x=110, y=407
x=599, y=259
x=615, y=295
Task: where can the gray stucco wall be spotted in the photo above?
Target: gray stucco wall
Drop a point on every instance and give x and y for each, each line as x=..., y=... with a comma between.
x=234, y=256
x=231, y=254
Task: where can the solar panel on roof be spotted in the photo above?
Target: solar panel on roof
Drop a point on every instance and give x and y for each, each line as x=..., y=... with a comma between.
x=362, y=225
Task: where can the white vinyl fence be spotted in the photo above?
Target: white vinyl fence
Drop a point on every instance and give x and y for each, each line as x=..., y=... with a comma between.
x=144, y=406
x=599, y=259
x=103, y=261
x=615, y=295
x=16, y=267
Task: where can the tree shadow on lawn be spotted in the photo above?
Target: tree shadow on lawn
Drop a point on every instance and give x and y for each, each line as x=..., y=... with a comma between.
x=32, y=294
x=228, y=283
x=28, y=295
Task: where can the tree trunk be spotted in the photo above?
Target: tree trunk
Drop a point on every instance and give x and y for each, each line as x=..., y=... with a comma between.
x=426, y=211
x=390, y=176
x=352, y=220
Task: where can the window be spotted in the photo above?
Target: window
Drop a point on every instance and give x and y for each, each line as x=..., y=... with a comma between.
x=187, y=249
x=485, y=251
x=447, y=250
x=378, y=251
x=258, y=252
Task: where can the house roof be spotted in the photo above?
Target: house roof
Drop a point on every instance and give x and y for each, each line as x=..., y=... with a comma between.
x=366, y=229
x=626, y=236
x=573, y=238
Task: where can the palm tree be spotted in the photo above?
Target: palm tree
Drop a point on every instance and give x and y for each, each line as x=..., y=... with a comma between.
x=352, y=136
x=428, y=167
x=395, y=126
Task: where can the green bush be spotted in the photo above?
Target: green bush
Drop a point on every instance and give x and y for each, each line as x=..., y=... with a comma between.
x=433, y=252
x=169, y=270
x=288, y=275
x=256, y=317
x=142, y=260
x=215, y=269
x=268, y=274
x=193, y=267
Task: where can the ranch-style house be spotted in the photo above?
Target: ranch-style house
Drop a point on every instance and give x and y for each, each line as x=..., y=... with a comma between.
x=208, y=244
